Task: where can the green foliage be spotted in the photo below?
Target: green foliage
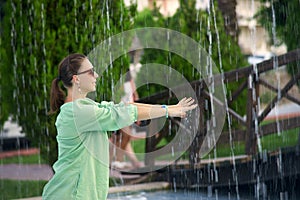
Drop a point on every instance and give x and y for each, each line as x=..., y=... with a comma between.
x=36, y=36
x=15, y=189
x=205, y=27
x=282, y=20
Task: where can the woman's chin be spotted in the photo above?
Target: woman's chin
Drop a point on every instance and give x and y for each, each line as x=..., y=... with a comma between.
x=92, y=90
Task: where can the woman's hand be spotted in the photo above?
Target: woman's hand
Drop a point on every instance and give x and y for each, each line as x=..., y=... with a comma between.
x=180, y=109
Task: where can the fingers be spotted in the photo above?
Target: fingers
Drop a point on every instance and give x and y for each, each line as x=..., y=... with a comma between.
x=186, y=102
x=190, y=102
x=181, y=101
x=188, y=108
x=184, y=105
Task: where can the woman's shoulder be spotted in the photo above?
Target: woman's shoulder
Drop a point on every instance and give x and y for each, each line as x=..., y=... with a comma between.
x=85, y=101
x=88, y=101
x=78, y=103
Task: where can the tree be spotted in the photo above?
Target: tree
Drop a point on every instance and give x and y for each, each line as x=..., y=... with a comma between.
x=207, y=28
x=282, y=20
x=36, y=36
x=201, y=25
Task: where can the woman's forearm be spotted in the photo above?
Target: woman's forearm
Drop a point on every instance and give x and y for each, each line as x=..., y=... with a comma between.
x=150, y=105
x=150, y=111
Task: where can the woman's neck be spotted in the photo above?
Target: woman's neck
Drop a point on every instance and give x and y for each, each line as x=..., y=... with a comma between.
x=74, y=95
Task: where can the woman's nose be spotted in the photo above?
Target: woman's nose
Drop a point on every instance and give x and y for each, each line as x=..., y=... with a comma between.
x=96, y=75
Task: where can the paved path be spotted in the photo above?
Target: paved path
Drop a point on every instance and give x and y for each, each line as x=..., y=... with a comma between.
x=23, y=152
x=284, y=111
x=26, y=172
x=128, y=188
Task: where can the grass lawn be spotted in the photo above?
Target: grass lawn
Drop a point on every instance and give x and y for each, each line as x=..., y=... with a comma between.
x=30, y=159
x=12, y=189
x=268, y=143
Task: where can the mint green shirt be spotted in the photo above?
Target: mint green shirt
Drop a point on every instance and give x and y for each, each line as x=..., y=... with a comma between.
x=82, y=168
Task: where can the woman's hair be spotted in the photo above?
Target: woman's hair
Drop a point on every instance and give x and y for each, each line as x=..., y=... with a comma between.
x=68, y=67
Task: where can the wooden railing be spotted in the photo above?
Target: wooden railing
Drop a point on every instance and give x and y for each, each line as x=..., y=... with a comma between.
x=250, y=126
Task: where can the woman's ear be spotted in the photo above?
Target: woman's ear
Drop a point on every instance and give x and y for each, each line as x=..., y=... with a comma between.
x=75, y=79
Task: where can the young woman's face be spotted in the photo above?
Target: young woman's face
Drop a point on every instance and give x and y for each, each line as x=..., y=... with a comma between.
x=87, y=76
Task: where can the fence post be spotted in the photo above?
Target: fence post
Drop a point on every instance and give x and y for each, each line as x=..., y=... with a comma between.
x=252, y=113
x=194, y=149
x=150, y=143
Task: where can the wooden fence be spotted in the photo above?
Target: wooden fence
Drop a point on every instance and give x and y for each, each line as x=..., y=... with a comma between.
x=250, y=127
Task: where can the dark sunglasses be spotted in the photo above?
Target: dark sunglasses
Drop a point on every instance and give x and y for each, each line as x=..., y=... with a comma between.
x=90, y=71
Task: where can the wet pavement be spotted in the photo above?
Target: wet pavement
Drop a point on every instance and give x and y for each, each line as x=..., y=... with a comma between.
x=21, y=171
x=284, y=111
x=26, y=172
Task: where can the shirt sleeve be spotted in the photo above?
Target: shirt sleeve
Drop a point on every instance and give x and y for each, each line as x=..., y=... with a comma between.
x=104, y=116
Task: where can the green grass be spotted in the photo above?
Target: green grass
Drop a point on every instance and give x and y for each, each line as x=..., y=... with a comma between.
x=14, y=189
x=269, y=143
x=285, y=139
x=226, y=150
x=30, y=159
x=138, y=145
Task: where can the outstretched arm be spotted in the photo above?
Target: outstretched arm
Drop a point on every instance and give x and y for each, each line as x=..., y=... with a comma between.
x=150, y=111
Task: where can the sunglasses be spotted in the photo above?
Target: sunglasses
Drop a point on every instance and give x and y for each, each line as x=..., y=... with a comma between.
x=90, y=71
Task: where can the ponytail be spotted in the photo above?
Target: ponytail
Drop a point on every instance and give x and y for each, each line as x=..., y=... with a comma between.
x=57, y=96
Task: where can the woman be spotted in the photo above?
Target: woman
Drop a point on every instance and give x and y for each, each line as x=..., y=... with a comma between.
x=81, y=171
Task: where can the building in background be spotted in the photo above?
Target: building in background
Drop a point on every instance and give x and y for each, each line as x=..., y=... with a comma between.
x=12, y=137
x=240, y=23
x=253, y=39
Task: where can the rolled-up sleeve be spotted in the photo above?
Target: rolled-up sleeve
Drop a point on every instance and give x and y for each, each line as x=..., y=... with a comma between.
x=104, y=116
